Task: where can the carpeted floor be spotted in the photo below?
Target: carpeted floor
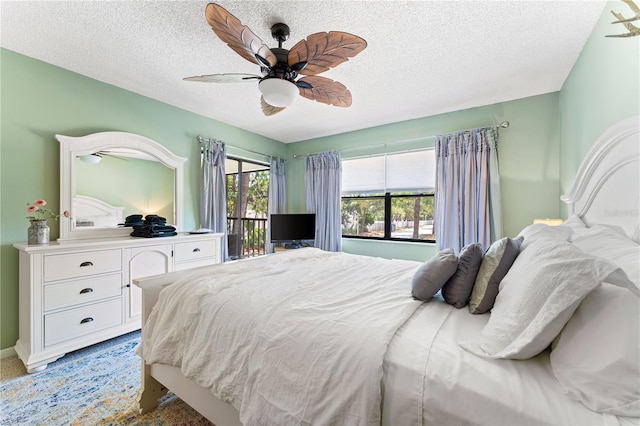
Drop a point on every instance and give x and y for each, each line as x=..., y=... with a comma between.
x=93, y=386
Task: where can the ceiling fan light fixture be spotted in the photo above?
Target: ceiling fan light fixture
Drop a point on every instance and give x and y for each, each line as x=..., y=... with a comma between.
x=90, y=158
x=278, y=92
x=280, y=67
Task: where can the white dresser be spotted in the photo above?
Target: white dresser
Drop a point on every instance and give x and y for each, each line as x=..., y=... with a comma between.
x=75, y=294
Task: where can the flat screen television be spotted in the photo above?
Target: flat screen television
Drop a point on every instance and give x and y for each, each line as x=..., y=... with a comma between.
x=292, y=228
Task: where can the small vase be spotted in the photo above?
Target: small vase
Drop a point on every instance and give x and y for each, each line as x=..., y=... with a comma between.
x=38, y=232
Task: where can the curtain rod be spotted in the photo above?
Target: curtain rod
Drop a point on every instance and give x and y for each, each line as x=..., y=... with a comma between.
x=201, y=139
x=502, y=125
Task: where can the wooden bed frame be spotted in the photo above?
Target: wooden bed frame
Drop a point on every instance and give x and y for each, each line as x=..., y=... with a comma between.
x=606, y=190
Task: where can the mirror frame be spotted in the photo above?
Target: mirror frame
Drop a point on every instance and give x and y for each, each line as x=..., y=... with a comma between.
x=72, y=147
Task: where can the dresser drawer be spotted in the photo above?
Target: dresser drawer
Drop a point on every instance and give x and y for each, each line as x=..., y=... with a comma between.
x=63, y=266
x=194, y=250
x=85, y=290
x=81, y=321
x=181, y=266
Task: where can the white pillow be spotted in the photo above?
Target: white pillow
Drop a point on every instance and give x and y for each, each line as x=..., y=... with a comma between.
x=539, y=231
x=596, y=358
x=612, y=243
x=574, y=223
x=544, y=286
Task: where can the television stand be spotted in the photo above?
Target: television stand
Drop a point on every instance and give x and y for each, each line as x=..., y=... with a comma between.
x=293, y=245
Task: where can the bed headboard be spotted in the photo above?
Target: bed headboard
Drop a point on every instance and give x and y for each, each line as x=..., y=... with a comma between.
x=92, y=212
x=607, y=187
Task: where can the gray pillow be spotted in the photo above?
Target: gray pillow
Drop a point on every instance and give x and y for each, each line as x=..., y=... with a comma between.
x=431, y=276
x=457, y=290
x=495, y=265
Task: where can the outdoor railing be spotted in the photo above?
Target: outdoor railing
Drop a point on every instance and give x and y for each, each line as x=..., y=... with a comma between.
x=253, y=232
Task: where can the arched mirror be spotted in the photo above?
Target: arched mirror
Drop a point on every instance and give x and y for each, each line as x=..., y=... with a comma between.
x=106, y=177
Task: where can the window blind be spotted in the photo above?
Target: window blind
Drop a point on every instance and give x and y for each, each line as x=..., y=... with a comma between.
x=413, y=171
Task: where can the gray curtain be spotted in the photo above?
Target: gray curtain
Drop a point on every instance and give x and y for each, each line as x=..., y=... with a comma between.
x=213, y=195
x=277, y=194
x=323, y=176
x=467, y=198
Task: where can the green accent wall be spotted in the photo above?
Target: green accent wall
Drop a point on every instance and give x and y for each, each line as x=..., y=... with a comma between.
x=140, y=186
x=602, y=89
x=528, y=153
x=38, y=101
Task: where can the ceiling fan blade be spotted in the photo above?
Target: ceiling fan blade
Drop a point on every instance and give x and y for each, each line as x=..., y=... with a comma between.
x=223, y=78
x=324, y=90
x=239, y=37
x=322, y=51
x=269, y=109
x=108, y=154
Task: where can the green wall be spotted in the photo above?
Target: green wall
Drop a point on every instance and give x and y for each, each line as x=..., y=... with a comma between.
x=38, y=101
x=528, y=153
x=602, y=89
x=140, y=186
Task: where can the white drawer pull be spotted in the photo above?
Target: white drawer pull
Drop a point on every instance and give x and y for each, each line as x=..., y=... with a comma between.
x=83, y=264
x=86, y=320
x=86, y=290
x=196, y=250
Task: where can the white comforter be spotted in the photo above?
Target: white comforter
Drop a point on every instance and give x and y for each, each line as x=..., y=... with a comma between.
x=430, y=380
x=294, y=338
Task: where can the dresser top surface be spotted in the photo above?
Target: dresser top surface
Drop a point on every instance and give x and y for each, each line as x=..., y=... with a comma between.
x=101, y=243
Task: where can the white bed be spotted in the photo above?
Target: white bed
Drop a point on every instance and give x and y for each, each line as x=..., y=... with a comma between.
x=94, y=213
x=405, y=362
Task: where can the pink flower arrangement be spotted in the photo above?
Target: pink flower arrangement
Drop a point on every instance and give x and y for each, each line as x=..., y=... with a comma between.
x=38, y=211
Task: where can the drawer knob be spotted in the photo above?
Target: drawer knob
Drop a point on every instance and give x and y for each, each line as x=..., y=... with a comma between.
x=86, y=264
x=196, y=250
x=86, y=290
x=86, y=320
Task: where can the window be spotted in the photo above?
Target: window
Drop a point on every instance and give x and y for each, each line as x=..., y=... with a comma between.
x=389, y=197
x=247, y=203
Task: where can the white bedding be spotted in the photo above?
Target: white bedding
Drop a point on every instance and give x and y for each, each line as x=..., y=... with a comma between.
x=377, y=356
x=275, y=362
x=431, y=380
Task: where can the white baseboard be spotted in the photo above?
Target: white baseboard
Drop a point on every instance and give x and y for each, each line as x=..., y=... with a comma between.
x=4, y=353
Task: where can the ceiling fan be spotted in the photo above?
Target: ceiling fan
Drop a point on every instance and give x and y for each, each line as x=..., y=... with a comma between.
x=96, y=157
x=280, y=67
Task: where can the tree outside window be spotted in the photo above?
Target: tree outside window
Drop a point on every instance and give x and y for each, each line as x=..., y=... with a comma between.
x=247, y=207
x=389, y=197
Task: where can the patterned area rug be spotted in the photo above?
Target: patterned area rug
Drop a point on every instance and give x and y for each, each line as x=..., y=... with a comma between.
x=97, y=389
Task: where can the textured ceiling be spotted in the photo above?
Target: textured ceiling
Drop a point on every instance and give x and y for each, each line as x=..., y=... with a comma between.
x=423, y=57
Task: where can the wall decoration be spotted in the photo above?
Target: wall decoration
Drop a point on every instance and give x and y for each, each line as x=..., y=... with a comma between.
x=621, y=19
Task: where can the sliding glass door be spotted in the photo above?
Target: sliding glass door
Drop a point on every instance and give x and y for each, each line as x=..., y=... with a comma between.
x=247, y=202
